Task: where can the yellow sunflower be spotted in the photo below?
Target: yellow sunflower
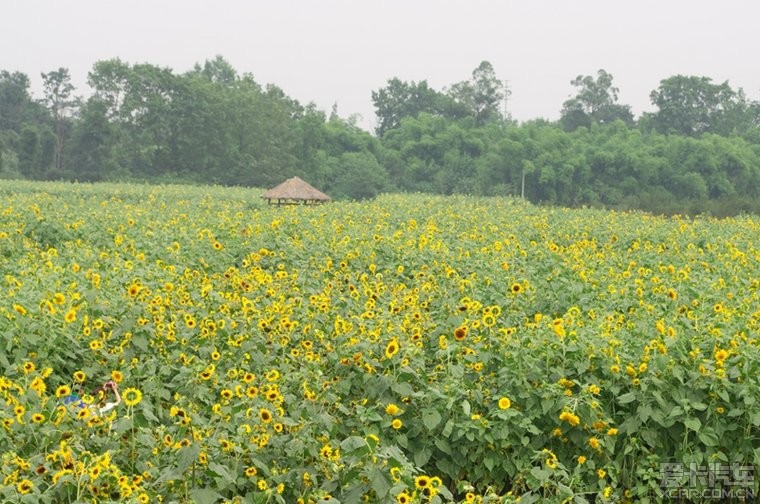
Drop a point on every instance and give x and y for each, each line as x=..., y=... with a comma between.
x=132, y=396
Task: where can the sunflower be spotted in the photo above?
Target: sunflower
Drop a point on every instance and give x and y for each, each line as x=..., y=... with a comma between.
x=460, y=333
x=70, y=316
x=422, y=481
x=28, y=367
x=265, y=415
x=62, y=391
x=392, y=409
x=397, y=424
x=392, y=348
x=80, y=376
x=570, y=418
x=505, y=403
x=326, y=452
x=38, y=385
x=403, y=498
x=24, y=486
x=516, y=288
x=38, y=418
x=117, y=376
x=132, y=396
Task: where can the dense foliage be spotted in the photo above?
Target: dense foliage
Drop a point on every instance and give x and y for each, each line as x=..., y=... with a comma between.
x=700, y=150
x=409, y=349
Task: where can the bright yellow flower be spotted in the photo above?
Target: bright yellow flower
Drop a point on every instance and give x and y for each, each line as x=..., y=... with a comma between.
x=392, y=409
x=392, y=348
x=24, y=486
x=132, y=396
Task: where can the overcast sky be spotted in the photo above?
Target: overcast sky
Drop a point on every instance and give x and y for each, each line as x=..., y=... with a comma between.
x=329, y=51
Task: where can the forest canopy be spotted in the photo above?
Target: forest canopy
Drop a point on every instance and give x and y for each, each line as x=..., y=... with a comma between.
x=698, y=151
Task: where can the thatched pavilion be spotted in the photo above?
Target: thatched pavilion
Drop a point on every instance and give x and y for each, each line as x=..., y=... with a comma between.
x=294, y=191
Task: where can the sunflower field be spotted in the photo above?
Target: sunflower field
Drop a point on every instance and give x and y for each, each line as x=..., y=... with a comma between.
x=408, y=349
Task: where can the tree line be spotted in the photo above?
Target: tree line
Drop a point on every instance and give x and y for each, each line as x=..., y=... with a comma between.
x=698, y=151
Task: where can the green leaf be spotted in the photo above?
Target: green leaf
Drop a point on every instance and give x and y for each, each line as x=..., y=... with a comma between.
x=448, y=428
x=547, y=405
x=466, y=407
x=221, y=471
x=422, y=456
x=431, y=418
x=708, y=437
x=540, y=474
x=676, y=412
x=380, y=483
x=627, y=398
x=755, y=418
x=489, y=463
x=692, y=423
x=443, y=445
x=352, y=443
x=188, y=455
x=204, y=496
x=645, y=412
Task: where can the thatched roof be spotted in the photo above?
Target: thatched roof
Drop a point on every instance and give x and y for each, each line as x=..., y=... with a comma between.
x=295, y=190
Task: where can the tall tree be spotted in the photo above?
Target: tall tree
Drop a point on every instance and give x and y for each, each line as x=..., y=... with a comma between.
x=691, y=105
x=15, y=100
x=399, y=99
x=481, y=95
x=217, y=70
x=109, y=80
x=596, y=101
x=58, y=97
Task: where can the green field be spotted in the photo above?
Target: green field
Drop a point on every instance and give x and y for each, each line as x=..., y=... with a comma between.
x=406, y=349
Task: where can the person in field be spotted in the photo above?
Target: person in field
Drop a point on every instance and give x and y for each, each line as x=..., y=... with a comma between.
x=75, y=402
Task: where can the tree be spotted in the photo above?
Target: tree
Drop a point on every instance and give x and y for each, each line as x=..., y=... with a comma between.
x=110, y=81
x=594, y=102
x=691, y=105
x=217, y=70
x=399, y=99
x=89, y=148
x=58, y=90
x=481, y=95
x=15, y=101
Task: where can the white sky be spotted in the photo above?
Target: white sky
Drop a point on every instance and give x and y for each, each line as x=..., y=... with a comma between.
x=329, y=51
